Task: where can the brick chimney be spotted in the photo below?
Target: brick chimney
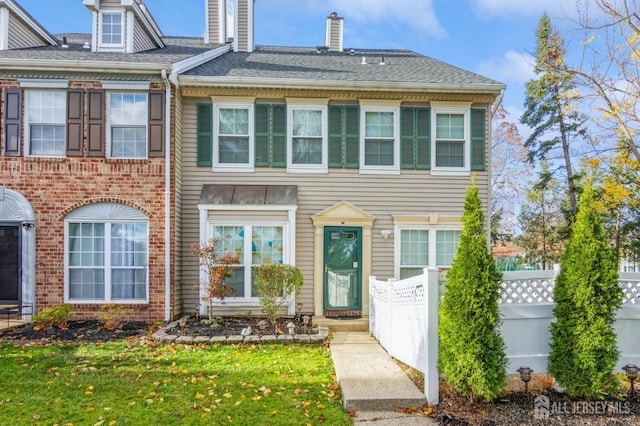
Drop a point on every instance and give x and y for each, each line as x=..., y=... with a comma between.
x=243, y=39
x=334, y=33
x=215, y=21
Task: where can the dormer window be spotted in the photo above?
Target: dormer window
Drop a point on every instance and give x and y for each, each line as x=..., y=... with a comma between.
x=111, y=29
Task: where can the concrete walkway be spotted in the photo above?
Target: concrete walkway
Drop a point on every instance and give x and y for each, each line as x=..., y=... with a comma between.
x=372, y=385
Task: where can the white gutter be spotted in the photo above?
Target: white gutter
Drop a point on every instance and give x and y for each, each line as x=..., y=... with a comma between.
x=289, y=83
x=167, y=198
x=197, y=60
x=80, y=65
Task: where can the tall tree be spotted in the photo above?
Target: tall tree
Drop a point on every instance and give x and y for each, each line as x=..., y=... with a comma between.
x=611, y=68
x=542, y=222
x=587, y=295
x=509, y=176
x=550, y=108
x=472, y=352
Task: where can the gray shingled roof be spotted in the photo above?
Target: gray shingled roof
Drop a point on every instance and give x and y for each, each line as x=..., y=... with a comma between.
x=401, y=66
x=177, y=49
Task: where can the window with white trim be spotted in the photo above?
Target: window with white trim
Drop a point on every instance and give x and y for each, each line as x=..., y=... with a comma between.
x=307, y=147
x=106, y=258
x=233, y=137
x=380, y=147
x=46, y=117
x=111, y=29
x=421, y=247
x=127, y=122
x=254, y=245
x=451, y=139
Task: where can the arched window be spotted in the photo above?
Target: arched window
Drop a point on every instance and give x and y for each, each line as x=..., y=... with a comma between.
x=106, y=254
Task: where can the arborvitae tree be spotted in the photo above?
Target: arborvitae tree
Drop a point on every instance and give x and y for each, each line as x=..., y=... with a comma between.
x=587, y=295
x=472, y=352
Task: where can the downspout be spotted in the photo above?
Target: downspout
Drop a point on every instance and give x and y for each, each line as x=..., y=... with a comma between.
x=167, y=198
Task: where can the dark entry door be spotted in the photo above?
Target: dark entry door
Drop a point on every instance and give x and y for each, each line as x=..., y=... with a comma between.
x=342, y=268
x=9, y=263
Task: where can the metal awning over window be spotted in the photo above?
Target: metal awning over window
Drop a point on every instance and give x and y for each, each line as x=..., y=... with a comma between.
x=248, y=195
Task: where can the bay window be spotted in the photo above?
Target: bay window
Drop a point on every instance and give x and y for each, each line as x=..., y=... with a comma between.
x=254, y=245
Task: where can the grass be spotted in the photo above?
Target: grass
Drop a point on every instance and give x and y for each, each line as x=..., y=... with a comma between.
x=123, y=383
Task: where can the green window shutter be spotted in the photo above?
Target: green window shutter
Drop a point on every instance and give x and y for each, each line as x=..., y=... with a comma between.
x=270, y=135
x=423, y=138
x=344, y=136
x=415, y=128
x=262, y=135
x=478, y=128
x=352, y=137
x=335, y=136
x=407, y=140
x=279, y=136
x=204, y=126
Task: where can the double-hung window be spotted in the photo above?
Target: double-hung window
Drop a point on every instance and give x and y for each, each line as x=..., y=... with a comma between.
x=106, y=258
x=451, y=136
x=46, y=113
x=111, y=29
x=233, y=138
x=380, y=147
x=128, y=119
x=421, y=247
x=307, y=146
x=254, y=245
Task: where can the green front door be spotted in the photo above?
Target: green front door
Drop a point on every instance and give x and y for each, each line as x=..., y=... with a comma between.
x=342, y=268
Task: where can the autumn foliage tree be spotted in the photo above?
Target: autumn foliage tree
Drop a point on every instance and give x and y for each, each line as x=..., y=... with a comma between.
x=218, y=267
x=472, y=353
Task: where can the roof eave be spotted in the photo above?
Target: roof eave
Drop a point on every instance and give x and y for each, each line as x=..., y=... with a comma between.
x=275, y=83
x=82, y=66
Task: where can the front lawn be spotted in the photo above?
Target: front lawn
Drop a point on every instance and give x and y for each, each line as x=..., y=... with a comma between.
x=124, y=383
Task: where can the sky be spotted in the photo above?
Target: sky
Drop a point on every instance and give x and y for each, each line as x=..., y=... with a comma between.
x=493, y=38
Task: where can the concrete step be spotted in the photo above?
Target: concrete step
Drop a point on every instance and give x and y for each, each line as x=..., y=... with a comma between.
x=347, y=324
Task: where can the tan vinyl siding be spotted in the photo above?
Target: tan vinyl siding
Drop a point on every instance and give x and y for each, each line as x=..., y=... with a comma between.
x=141, y=39
x=335, y=39
x=410, y=193
x=215, y=21
x=242, y=30
x=110, y=4
x=21, y=35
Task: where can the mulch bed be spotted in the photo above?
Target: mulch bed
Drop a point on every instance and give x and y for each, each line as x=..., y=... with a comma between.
x=85, y=331
x=234, y=326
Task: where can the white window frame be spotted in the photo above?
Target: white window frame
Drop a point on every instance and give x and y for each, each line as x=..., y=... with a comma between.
x=110, y=124
x=288, y=241
x=307, y=168
x=115, y=47
x=378, y=169
x=108, y=214
x=432, y=233
x=247, y=253
x=232, y=167
x=463, y=108
x=28, y=124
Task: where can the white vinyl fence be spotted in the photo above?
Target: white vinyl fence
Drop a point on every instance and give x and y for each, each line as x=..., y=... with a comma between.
x=404, y=319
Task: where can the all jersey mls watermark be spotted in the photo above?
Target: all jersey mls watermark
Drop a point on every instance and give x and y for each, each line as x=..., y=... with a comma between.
x=544, y=408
